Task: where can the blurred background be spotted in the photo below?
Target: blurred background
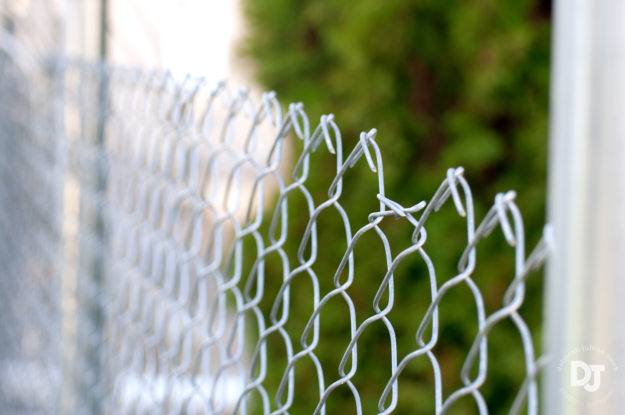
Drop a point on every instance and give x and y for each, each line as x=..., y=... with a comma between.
x=455, y=83
x=460, y=83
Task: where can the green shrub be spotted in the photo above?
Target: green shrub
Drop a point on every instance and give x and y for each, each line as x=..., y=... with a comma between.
x=446, y=83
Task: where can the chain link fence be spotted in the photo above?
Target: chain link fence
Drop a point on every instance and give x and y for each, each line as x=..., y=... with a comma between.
x=138, y=215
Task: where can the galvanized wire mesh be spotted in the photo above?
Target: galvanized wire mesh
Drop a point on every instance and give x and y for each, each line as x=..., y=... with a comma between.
x=131, y=203
x=30, y=253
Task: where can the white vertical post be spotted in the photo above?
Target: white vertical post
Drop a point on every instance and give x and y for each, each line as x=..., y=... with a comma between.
x=585, y=301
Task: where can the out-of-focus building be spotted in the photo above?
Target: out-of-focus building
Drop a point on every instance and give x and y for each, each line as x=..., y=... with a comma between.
x=186, y=36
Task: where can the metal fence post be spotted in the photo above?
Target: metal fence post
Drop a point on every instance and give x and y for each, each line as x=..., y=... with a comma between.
x=99, y=225
x=585, y=300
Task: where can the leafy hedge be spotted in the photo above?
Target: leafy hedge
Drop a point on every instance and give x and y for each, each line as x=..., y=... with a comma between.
x=446, y=83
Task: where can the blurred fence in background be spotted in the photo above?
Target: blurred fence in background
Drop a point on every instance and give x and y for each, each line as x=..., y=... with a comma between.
x=31, y=254
x=137, y=214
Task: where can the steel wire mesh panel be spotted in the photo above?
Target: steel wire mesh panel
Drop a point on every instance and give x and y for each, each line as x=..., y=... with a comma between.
x=149, y=288
x=30, y=251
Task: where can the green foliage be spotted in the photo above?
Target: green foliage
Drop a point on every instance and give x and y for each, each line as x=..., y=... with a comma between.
x=446, y=83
